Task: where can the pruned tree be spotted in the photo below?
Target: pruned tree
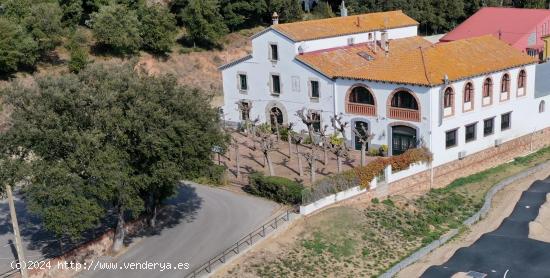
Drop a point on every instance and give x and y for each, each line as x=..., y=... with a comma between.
x=311, y=159
x=289, y=138
x=363, y=134
x=268, y=144
x=339, y=149
x=339, y=125
x=325, y=143
x=236, y=145
x=308, y=118
x=274, y=116
x=245, y=108
x=298, y=138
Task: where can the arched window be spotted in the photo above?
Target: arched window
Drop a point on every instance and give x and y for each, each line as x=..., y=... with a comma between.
x=468, y=92
x=505, y=84
x=361, y=95
x=448, y=98
x=542, y=106
x=488, y=88
x=404, y=99
x=522, y=79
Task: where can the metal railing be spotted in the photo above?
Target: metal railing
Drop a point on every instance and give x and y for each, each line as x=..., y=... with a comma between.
x=235, y=249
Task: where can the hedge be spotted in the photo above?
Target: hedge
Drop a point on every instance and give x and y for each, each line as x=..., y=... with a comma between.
x=279, y=189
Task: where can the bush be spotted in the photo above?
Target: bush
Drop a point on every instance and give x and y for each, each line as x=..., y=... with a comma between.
x=117, y=27
x=79, y=59
x=279, y=189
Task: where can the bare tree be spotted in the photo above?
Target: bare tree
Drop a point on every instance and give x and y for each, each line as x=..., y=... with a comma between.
x=308, y=118
x=364, y=136
x=245, y=108
x=289, y=138
x=339, y=125
x=236, y=146
x=340, y=150
x=311, y=159
x=274, y=116
x=299, y=139
x=325, y=143
x=268, y=144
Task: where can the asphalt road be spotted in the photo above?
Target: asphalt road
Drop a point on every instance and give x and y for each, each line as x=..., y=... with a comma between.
x=507, y=251
x=202, y=222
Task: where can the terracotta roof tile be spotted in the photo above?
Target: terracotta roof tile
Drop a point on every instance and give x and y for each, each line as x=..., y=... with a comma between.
x=416, y=61
x=339, y=26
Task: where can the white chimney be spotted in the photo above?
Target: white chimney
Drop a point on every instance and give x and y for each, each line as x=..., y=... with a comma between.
x=275, y=18
x=384, y=42
x=343, y=9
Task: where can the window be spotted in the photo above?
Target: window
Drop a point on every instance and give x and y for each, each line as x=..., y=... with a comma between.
x=295, y=83
x=245, y=110
x=243, y=82
x=468, y=92
x=370, y=36
x=488, y=126
x=361, y=95
x=505, y=121
x=505, y=84
x=274, y=52
x=316, y=117
x=450, y=138
x=542, y=107
x=404, y=99
x=314, y=87
x=487, y=87
x=448, y=98
x=275, y=84
x=471, y=132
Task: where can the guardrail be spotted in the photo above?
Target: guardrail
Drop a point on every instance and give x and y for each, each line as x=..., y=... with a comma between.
x=235, y=249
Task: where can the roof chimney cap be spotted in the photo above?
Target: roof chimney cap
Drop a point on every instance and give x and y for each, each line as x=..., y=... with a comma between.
x=343, y=9
x=275, y=18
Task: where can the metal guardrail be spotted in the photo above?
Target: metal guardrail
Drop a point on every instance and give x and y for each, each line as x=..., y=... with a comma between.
x=235, y=249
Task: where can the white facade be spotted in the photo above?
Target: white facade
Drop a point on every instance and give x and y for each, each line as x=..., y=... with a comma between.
x=431, y=124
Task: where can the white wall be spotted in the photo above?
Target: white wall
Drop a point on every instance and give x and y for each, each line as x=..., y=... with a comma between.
x=524, y=116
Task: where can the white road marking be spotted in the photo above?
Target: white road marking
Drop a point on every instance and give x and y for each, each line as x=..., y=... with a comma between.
x=506, y=273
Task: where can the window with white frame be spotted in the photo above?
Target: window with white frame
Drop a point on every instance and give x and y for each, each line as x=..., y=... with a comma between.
x=242, y=82
x=273, y=52
x=275, y=84
x=314, y=90
x=451, y=138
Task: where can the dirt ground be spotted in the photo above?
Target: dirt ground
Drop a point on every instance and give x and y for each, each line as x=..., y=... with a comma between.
x=502, y=206
x=253, y=160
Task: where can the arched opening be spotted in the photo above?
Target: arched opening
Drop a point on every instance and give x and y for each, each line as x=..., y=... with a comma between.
x=362, y=128
x=488, y=91
x=403, y=138
x=448, y=98
x=276, y=117
x=468, y=96
x=522, y=82
x=403, y=105
x=404, y=99
x=542, y=106
x=361, y=101
x=505, y=87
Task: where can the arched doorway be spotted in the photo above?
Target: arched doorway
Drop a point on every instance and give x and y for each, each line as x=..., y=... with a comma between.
x=276, y=117
x=403, y=138
x=361, y=127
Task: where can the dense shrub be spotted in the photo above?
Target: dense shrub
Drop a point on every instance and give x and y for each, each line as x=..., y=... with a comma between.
x=118, y=28
x=279, y=189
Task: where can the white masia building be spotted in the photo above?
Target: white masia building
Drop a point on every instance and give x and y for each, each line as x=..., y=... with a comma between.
x=455, y=98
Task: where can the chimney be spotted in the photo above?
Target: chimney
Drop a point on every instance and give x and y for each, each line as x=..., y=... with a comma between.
x=343, y=9
x=275, y=18
x=384, y=42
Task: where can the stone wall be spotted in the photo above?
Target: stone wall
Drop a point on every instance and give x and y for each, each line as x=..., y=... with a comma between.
x=474, y=163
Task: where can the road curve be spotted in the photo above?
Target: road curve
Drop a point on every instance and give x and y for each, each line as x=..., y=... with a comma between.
x=208, y=220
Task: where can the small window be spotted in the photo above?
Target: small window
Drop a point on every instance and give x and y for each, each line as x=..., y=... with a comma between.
x=243, y=82
x=245, y=110
x=370, y=36
x=488, y=126
x=448, y=98
x=505, y=121
x=274, y=52
x=542, y=106
x=314, y=89
x=505, y=84
x=470, y=132
x=276, y=84
x=522, y=79
x=468, y=92
x=450, y=138
x=487, y=87
x=316, y=117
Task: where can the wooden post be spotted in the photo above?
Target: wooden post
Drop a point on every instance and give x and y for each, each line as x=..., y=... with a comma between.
x=17, y=235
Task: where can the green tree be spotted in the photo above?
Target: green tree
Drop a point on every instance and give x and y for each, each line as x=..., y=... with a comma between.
x=158, y=28
x=243, y=13
x=288, y=10
x=44, y=24
x=118, y=28
x=204, y=23
x=108, y=140
x=323, y=10
x=17, y=47
x=79, y=59
x=72, y=11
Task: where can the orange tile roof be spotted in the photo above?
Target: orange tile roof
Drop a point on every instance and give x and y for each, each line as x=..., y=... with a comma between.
x=416, y=61
x=339, y=26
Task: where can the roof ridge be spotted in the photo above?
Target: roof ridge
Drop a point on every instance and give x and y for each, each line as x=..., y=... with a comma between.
x=424, y=65
x=337, y=18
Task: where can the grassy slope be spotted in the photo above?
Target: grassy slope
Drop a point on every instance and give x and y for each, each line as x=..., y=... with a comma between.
x=352, y=241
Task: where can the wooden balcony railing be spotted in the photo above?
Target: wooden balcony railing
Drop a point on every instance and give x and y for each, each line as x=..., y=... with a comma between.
x=403, y=114
x=361, y=109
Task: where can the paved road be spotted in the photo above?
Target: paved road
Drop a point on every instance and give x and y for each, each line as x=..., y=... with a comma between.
x=208, y=220
x=507, y=250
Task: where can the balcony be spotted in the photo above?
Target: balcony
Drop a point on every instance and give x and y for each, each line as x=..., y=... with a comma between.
x=403, y=114
x=361, y=109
